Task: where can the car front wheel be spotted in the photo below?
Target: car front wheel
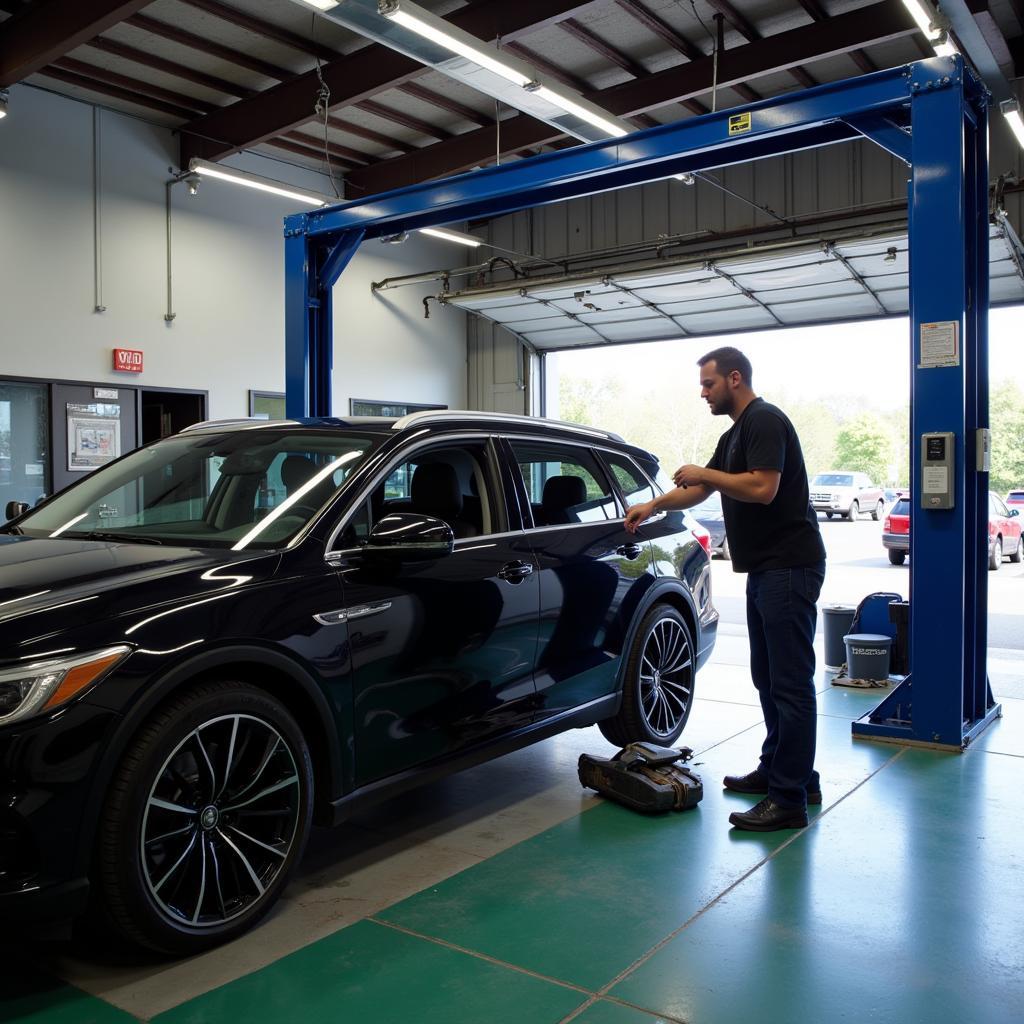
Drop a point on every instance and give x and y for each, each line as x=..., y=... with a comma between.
x=657, y=689
x=854, y=512
x=206, y=817
x=995, y=555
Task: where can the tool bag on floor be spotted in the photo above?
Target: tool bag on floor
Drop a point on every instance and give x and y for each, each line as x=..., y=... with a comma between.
x=644, y=777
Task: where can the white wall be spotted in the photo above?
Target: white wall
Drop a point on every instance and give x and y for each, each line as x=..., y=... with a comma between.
x=228, y=333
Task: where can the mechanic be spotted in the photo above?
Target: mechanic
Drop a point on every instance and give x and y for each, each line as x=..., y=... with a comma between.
x=758, y=467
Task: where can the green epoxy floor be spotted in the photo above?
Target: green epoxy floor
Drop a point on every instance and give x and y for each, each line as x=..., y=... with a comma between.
x=899, y=903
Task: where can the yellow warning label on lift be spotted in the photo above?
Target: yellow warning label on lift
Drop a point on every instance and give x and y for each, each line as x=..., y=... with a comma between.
x=739, y=123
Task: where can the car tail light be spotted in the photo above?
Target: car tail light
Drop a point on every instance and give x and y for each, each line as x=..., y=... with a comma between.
x=703, y=537
x=887, y=525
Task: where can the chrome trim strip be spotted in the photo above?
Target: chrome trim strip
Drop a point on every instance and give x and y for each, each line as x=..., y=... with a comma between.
x=359, y=611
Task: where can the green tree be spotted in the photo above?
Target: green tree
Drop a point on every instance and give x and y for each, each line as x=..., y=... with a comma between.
x=1006, y=414
x=864, y=445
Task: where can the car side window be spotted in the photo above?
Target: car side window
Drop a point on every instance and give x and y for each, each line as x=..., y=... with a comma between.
x=634, y=485
x=452, y=483
x=564, y=484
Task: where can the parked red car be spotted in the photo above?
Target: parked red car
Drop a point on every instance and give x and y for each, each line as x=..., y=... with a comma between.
x=1004, y=531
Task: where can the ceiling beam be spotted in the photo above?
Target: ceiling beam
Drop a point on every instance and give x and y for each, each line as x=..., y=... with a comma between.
x=595, y=43
x=99, y=74
x=358, y=76
x=414, y=124
x=859, y=57
x=445, y=103
x=106, y=89
x=864, y=26
x=38, y=35
x=369, y=134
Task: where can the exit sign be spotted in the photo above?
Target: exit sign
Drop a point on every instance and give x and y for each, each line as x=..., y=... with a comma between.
x=128, y=360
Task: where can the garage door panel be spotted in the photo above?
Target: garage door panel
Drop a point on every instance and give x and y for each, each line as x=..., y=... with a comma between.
x=845, y=308
x=733, y=320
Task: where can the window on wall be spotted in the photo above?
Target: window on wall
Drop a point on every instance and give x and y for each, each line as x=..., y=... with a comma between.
x=266, y=405
x=366, y=407
x=24, y=442
x=564, y=483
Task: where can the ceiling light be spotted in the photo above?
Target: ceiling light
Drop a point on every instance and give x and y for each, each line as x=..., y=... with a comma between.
x=1011, y=111
x=207, y=169
x=3, y=103
x=589, y=116
x=924, y=15
x=890, y=254
x=687, y=178
x=452, y=236
x=944, y=46
x=322, y=5
x=460, y=43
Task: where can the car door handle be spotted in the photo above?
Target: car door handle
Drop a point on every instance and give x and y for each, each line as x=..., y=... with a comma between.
x=630, y=551
x=515, y=572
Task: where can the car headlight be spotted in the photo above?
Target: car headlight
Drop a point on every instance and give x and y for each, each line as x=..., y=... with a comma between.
x=29, y=689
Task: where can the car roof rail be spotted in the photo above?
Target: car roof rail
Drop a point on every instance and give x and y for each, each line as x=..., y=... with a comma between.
x=425, y=416
x=236, y=421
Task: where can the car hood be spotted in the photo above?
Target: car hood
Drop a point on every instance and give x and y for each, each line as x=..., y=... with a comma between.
x=48, y=585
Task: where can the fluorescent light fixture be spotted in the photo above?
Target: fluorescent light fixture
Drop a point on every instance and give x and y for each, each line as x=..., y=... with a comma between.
x=452, y=236
x=244, y=178
x=322, y=5
x=944, y=46
x=461, y=46
x=923, y=15
x=1011, y=111
x=3, y=103
x=934, y=25
x=579, y=111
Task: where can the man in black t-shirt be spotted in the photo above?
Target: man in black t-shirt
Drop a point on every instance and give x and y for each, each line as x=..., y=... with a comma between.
x=773, y=534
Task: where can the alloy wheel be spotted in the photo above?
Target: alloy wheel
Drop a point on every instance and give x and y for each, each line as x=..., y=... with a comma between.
x=220, y=820
x=666, y=677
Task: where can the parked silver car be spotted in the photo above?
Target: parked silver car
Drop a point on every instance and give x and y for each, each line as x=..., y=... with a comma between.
x=847, y=494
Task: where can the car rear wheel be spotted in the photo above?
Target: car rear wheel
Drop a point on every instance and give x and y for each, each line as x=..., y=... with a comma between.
x=879, y=508
x=206, y=817
x=854, y=512
x=897, y=557
x=1018, y=551
x=726, y=553
x=995, y=554
x=657, y=691
x=828, y=515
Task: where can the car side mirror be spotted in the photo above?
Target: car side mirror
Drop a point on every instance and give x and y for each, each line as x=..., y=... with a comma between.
x=1014, y=512
x=410, y=537
x=16, y=508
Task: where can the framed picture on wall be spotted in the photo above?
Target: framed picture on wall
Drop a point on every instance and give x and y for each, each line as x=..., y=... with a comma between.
x=266, y=405
x=367, y=407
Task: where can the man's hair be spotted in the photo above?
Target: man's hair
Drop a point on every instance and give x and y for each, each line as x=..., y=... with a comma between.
x=727, y=359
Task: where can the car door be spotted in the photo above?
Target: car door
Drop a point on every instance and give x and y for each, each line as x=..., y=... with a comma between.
x=591, y=570
x=442, y=651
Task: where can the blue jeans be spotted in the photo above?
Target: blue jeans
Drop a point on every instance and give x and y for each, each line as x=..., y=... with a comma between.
x=781, y=616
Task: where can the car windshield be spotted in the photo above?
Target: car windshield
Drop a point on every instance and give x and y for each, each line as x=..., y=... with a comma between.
x=901, y=508
x=252, y=488
x=833, y=480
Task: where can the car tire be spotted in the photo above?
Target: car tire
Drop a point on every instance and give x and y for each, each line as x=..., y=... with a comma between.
x=828, y=515
x=1018, y=551
x=854, y=512
x=879, y=508
x=726, y=553
x=181, y=865
x=897, y=557
x=657, y=688
x=995, y=554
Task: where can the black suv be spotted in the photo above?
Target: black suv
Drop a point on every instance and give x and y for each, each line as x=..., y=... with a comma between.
x=224, y=636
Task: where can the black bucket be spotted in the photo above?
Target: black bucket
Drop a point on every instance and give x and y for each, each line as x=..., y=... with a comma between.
x=867, y=655
x=838, y=619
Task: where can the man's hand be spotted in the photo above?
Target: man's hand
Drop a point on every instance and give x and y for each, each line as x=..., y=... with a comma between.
x=637, y=514
x=688, y=476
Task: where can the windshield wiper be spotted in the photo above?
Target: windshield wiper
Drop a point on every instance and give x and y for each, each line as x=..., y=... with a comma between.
x=129, y=538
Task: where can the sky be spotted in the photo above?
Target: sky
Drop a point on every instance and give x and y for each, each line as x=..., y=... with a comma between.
x=867, y=361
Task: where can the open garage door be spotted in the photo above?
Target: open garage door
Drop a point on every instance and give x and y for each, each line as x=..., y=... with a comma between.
x=856, y=276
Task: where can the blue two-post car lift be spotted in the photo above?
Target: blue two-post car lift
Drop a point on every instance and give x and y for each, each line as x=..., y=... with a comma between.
x=933, y=116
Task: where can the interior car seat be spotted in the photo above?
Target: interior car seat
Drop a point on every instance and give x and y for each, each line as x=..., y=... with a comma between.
x=562, y=493
x=436, y=492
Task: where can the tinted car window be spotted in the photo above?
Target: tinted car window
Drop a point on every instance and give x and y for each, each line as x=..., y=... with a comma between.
x=564, y=484
x=901, y=508
x=634, y=485
x=833, y=480
x=244, y=489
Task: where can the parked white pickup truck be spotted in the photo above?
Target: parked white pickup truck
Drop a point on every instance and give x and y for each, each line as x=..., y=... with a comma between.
x=846, y=494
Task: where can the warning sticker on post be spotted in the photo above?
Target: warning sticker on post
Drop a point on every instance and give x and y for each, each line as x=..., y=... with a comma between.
x=940, y=345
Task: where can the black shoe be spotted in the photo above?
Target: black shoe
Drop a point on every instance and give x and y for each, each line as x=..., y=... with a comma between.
x=768, y=816
x=757, y=782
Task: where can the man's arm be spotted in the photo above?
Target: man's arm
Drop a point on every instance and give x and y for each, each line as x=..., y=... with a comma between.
x=677, y=498
x=758, y=486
